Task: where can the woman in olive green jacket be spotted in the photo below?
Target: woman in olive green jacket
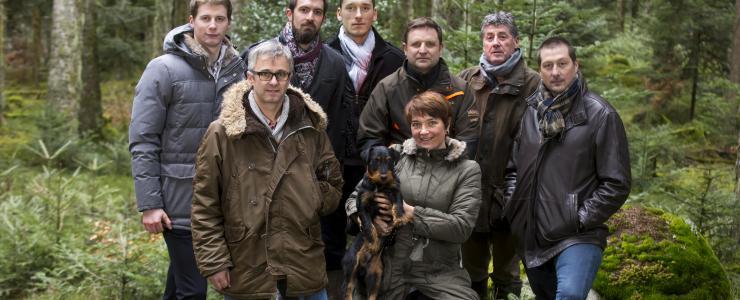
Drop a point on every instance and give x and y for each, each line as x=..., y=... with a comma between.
x=441, y=191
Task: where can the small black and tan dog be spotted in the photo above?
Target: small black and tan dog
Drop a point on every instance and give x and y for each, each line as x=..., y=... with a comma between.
x=363, y=265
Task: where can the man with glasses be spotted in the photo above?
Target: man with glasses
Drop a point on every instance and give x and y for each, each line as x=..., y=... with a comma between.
x=319, y=71
x=265, y=173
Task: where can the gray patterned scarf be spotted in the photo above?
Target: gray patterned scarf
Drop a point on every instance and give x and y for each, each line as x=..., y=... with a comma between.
x=551, y=111
x=490, y=71
x=304, y=61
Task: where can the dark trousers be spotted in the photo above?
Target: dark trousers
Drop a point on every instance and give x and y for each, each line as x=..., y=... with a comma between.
x=333, y=225
x=183, y=279
x=498, y=247
x=333, y=232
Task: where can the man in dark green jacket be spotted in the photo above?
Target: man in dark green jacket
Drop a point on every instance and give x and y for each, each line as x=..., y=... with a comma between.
x=383, y=121
x=500, y=83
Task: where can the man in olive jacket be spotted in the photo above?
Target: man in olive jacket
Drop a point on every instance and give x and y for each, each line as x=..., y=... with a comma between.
x=178, y=95
x=569, y=172
x=383, y=121
x=265, y=173
x=500, y=83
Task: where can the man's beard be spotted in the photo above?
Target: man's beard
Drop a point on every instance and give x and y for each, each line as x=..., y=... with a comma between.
x=304, y=36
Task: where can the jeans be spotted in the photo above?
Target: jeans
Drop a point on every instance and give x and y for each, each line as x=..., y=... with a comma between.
x=568, y=275
x=183, y=279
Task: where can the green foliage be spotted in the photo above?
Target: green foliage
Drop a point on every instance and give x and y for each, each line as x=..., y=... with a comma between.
x=74, y=235
x=656, y=255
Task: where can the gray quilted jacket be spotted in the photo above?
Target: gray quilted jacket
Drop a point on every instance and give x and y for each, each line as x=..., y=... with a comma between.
x=175, y=101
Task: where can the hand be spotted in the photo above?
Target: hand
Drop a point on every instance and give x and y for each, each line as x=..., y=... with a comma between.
x=408, y=210
x=220, y=280
x=153, y=220
x=384, y=207
x=384, y=229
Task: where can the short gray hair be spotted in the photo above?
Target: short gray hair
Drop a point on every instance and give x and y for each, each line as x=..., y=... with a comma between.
x=272, y=48
x=500, y=18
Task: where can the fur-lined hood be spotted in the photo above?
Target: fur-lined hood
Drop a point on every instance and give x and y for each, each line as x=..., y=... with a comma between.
x=180, y=41
x=234, y=114
x=454, y=151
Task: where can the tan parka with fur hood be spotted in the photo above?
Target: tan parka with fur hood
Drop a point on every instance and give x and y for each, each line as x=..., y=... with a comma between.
x=257, y=203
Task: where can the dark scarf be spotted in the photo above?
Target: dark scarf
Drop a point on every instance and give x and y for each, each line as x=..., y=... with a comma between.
x=491, y=72
x=304, y=61
x=551, y=111
x=426, y=80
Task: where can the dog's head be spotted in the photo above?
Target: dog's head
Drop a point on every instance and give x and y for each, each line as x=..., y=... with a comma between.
x=379, y=164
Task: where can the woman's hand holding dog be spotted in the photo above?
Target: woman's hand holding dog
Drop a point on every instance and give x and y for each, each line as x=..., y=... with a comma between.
x=384, y=218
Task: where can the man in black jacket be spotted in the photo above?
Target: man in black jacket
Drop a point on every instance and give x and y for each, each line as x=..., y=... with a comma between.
x=367, y=59
x=568, y=174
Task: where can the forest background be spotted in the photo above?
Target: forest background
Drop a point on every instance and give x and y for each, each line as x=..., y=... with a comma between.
x=68, y=222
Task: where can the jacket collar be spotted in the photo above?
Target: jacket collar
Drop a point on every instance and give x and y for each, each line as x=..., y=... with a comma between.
x=516, y=78
x=577, y=114
x=453, y=152
x=443, y=84
x=239, y=120
x=380, y=44
x=181, y=41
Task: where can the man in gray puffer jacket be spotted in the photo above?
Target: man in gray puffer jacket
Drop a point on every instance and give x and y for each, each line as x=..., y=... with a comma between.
x=177, y=97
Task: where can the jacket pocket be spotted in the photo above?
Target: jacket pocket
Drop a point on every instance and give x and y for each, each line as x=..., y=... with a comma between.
x=559, y=220
x=314, y=232
x=235, y=234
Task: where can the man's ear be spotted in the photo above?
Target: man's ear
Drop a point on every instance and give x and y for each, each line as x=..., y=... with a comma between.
x=289, y=14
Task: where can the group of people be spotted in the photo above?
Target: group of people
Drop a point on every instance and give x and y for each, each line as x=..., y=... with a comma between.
x=248, y=163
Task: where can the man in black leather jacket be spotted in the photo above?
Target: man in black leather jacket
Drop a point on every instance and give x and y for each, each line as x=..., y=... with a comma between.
x=568, y=174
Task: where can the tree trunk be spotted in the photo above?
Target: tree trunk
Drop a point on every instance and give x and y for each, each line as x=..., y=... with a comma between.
x=36, y=46
x=436, y=9
x=532, y=31
x=694, y=65
x=180, y=13
x=620, y=17
x=90, y=115
x=735, y=77
x=2, y=62
x=64, y=59
x=634, y=12
x=162, y=25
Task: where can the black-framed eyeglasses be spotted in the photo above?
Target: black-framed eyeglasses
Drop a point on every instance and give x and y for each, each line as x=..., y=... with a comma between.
x=267, y=75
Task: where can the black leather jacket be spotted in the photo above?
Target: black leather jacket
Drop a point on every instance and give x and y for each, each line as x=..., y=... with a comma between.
x=560, y=191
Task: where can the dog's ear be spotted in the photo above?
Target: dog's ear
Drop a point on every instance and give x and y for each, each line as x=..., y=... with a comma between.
x=395, y=155
x=365, y=155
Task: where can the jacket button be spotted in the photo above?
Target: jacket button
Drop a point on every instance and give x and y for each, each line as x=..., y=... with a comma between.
x=263, y=236
x=253, y=202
